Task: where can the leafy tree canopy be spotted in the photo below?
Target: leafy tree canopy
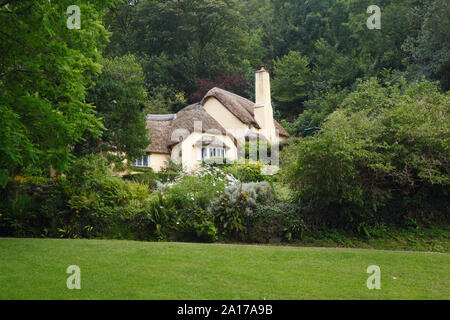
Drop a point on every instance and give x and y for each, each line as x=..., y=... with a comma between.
x=384, y=144
x=120, y=97
x=44, y=71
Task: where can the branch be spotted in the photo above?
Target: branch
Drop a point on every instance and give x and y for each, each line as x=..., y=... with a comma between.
x=6, y=2
x=18, y=70
x=18, y=11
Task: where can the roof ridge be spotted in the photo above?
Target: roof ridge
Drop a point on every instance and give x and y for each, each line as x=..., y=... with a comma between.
x=235, y=94
x=161, y=117
x=240, y=107
x=187, y=119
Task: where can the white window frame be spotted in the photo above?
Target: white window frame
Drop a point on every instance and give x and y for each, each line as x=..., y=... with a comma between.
x=213, y=152
x=143, y=162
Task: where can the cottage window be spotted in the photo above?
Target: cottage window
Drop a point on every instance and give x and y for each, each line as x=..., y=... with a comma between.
x=211, y=152
x=141, y=162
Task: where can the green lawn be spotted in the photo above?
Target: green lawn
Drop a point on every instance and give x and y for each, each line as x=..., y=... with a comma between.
x=35, y=269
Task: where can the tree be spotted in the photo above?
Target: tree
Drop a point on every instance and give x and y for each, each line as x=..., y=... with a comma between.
x=177, y=41
x=290, y=84
x=317, y=110
x=331, y=68
x=298, y=24
x=119, y=95
x=44, y=71
x=383, y=155
x=118, y=19
x=430, y=50
x=381, y=49
x=163, y=100
x=235, y=83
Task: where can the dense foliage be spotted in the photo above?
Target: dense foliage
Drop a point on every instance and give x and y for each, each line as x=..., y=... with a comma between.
x=90, y=202
x=310, y=47
x=45, y=70
x=119, y=96
x=382, y=156
x=370, y=145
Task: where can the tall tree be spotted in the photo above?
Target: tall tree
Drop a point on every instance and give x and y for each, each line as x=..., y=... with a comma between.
x=235, y=83
x=119, y=95
x=430, y=50
x=291, y=83
x=178, y=41
x=44, y=71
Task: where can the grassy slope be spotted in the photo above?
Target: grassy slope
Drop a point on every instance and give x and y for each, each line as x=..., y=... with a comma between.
x=35, y=269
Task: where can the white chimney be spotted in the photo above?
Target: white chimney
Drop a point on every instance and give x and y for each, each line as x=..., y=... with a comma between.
x=263, y=105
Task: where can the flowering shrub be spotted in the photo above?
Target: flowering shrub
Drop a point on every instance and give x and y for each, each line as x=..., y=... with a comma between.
x=210, y=172
x=90, y=202
x=190, y=195
x=197, y=188
x=235, y=206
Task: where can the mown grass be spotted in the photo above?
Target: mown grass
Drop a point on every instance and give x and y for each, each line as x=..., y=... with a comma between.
x=435, y=239
x=110, y=269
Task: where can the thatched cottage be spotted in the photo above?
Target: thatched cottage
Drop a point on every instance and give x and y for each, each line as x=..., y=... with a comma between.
x=216, y=127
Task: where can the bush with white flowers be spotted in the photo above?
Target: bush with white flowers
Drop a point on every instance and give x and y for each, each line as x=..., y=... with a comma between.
x=233, y=209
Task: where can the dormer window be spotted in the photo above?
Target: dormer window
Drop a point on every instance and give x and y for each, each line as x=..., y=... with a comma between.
x=213, y=152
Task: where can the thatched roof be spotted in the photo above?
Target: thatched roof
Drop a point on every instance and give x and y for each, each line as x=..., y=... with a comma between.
x=211, y=141
x=194, y=118
x=161, y=116
x=166, y=129
x=281, y=131
x=242, y=108
x=252, y=136
x=160, y=131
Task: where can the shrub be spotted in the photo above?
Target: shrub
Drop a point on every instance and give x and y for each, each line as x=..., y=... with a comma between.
x=217, y=162
x=197, y=225
x=246, y=172
x=275, y=222
x=166, y=176
x=233, y=209
x=191, y=195
x=196, y=188
x=383, y=154
x=147, y=178
x=170, y=172
x=150, y=219
x=85, y=168
x=86, y=203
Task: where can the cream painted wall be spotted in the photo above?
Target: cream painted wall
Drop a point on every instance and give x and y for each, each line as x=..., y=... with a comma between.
x=176, y=153
x=191, y=155
x=237, y=128
x=228, y=120
x=158, y=161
